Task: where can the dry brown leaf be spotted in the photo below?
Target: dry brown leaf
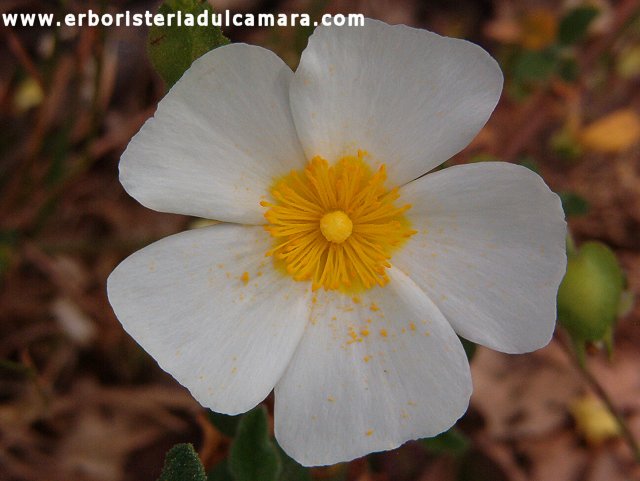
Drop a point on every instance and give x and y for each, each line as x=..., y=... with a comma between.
x=98, y=446
x=554, y=457
x=74, y=323
x=522, y=396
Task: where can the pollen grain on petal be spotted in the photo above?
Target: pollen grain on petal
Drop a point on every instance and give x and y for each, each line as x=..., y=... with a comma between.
x=336, y=225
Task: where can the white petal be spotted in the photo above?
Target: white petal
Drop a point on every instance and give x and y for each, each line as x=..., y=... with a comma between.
x=347, y=392
x=408, y=97
x=490, y=252
x=227, y=339
x=218, y=138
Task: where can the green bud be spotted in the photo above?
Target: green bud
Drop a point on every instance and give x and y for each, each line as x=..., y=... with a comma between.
x=182, y=464
x=565, y=144
x=589, y=295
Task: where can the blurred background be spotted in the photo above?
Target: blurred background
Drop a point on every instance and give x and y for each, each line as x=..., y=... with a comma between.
x=79, y=400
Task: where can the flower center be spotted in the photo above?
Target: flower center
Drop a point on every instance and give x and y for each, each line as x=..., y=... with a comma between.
x=336, y=225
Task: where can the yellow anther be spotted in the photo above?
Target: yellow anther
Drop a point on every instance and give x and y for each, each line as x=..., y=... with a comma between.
x=336, y=226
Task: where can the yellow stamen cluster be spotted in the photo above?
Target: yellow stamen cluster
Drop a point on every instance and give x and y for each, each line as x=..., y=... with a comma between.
x=336, y=225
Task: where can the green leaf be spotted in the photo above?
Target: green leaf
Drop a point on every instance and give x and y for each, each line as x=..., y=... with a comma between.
x=220, y=472
x=469, y=348
x=530, y=163
x=565, y=144
x=450, y=442
x=226, y=424
x=252, y=455
x=291, y=470
x=569, y=70
x=573, y=204
x=182, y=464
x=484, y=157
x=574, y=25
x=173, y=48
x=535, y=66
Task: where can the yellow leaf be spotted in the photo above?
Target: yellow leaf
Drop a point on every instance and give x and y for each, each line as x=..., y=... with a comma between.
x=612, y=133
x=28, y=95
x=539, y=28
x=629, y=62
x=593, y=420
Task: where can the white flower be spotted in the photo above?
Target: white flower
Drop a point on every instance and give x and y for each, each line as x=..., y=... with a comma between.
x=332, y=155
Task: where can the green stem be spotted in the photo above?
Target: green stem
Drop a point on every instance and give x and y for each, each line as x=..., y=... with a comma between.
x=606, y=399
x=571, y=245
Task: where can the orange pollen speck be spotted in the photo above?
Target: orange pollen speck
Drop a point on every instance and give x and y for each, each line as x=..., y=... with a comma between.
x=336, y=225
